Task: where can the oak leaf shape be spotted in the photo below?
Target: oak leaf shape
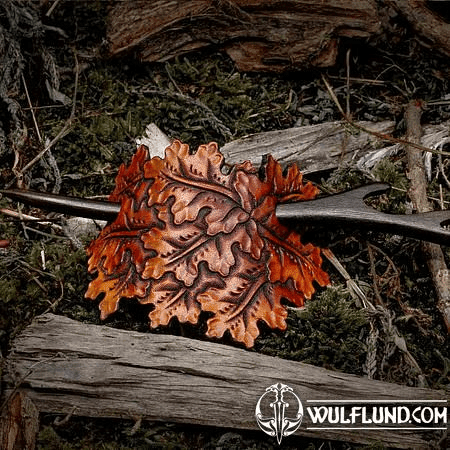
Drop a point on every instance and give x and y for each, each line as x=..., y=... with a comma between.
x=191, y=238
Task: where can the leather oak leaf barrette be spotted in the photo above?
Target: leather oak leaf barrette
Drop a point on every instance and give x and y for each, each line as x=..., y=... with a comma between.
x=186, y=237
x=189, y=238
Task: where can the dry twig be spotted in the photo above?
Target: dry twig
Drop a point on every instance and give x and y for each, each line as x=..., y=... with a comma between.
x=65, y=129
x=354, y=289
x=440, y=274
x=382, y=136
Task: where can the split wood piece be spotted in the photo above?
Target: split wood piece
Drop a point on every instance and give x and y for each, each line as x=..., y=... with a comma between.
x=440, y=274
x=325, y=146
x=259, y=35
x=431, y=28
x=314, y=148
x=19, y=423
x=97, y=371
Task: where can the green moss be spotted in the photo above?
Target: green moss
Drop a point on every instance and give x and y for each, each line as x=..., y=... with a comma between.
x=37, y=276
x=328, y=333
x=392, y=172
x=344, y=178
x=195, y=99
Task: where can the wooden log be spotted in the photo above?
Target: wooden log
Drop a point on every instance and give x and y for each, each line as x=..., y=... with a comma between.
x=66, y=366
x=432, y=29
x=325, y=146
x=270, y=35
x=314, y=148
x=434, y=255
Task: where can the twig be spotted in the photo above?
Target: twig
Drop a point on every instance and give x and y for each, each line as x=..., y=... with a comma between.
x=347, y=96
x=17, y=173
x=49, y=12
x=19, y=207
x=61, y=134
x=53, y=164
x=438, y=103
x=60, y=422
x=443, y=202
x=359, y=80
x=55, y=304
x=382, y=136
x=373, y=272
x=51, y=158
x=31, y=109
x=354, y=289
x=34, y=269
x=434, y=255
x=173, y=80
x=441, y=165
x=25, y=218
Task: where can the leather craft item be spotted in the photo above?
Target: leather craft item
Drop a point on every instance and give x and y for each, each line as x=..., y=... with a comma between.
x=191, y=238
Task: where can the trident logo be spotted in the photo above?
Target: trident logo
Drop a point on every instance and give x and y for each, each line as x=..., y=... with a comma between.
x=279, y=425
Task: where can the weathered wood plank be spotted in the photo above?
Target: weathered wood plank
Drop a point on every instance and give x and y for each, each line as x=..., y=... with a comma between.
x=314, y=147
x=325, y=146
x=105, y=372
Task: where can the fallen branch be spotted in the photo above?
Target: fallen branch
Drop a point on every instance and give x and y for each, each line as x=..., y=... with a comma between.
x=266, y=35
x=439, y=272
x=381, y=136
x=433, y=31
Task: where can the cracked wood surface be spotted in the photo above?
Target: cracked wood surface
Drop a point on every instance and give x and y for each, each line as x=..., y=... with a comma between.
x=268, y=35
x=99, y=371
x=325, y=146
x=314, y=148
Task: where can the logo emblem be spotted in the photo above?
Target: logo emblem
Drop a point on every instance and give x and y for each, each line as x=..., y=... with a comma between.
x=277, y=399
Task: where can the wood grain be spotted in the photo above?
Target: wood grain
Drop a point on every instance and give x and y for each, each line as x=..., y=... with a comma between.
x=269, y=35
x=314, y=147
x=326, y=146
x=19, y=423
x=106, y=372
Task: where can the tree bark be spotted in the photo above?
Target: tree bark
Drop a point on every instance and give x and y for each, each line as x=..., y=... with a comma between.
x=432, y=29
x=259, y=35
x=19, y=423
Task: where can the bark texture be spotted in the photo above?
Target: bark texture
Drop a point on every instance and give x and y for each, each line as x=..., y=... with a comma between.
x=268, y=35
x=261, y=35
x=432, y=29
x=19, y=423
